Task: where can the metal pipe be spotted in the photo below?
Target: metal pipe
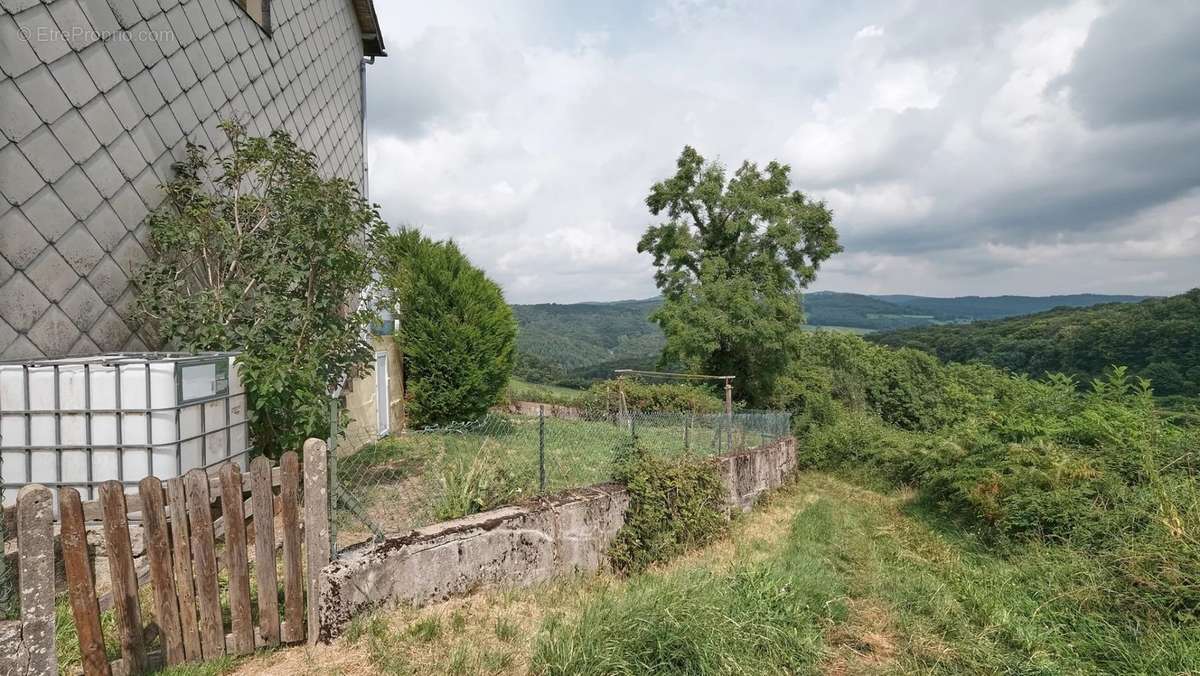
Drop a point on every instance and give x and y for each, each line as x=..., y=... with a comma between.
x=541, y=449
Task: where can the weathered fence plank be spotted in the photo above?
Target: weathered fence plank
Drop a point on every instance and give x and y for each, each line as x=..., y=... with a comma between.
x=124, y=580
x=181, y=558
x=235, y=559
x=204, y=565
x=293, y=577
x=133, y=506
x=316, y=524
x=143, y=572
x=185, y=590
x=162, y=580
x=35, y=544
x=262, y=499
x=80, y=586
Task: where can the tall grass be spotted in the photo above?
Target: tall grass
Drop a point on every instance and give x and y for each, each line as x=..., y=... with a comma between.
x=765, y=617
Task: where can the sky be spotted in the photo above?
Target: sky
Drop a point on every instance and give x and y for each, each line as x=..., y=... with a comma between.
x=963, y=147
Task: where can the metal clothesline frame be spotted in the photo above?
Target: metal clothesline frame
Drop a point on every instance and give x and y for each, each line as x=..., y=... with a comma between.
x=689, y=376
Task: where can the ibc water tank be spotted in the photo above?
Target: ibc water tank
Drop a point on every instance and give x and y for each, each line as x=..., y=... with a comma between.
x=81, y=421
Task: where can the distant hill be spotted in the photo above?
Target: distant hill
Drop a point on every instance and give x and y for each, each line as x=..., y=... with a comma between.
x=974, y=308
x=583, y=334
x=577, y=343
x=1158, y=339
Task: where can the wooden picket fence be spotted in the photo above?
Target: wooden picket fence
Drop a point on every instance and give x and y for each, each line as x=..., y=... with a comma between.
x=187, y=550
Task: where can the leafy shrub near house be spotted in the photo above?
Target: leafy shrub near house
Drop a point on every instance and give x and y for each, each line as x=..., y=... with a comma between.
x=253, y=250
x=457, y=334
x=1102, y=470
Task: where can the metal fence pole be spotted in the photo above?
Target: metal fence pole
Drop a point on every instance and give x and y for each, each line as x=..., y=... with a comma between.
x=6, y=587
x=541, y=449
x=729, y=410
x=333, y=485
x=687, y=418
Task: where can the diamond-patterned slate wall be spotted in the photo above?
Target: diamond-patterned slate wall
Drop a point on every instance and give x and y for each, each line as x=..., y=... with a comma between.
x=96, y=105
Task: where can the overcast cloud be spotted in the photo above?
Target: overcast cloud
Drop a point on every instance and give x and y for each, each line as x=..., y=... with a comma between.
x=965, y=148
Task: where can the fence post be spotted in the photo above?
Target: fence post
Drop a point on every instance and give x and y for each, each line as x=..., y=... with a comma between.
x=316, y=525
x=687, y=418
x=729, y=413
x=7, y=588
x=334, y=488
x=35, y=546
x=541, y=449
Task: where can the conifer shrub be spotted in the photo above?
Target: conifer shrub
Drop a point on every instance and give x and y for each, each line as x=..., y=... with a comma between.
x=457, y=333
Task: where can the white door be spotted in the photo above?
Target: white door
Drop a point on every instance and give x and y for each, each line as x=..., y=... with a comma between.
x=382, y=401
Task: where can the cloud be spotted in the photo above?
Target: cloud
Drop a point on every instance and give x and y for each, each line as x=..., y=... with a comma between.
x=1022, y=147
x=1138, y=65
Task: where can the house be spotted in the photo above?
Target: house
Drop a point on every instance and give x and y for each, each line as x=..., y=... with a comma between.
x=376, y=404
x=97, y=100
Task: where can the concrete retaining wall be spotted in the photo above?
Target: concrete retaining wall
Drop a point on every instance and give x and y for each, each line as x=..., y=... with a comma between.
x=513, y=546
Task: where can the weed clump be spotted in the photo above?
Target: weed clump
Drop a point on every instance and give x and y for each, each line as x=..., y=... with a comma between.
x=472, y=484
x=675, y=505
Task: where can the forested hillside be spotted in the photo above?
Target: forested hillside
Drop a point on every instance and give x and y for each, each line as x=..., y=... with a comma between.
x=975, y=308
x=555, y=340
x=575, y=344
x=1158, y=339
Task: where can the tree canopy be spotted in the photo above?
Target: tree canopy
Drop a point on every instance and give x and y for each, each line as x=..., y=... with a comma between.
x=732, y=257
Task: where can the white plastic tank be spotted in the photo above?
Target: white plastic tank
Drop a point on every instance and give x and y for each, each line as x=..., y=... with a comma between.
x=82, y=421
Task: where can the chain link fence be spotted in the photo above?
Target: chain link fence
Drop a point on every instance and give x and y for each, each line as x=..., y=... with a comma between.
x=392, y=484
x=8, y=572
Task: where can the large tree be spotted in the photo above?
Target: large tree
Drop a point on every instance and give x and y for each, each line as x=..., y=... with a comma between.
x=732, y=257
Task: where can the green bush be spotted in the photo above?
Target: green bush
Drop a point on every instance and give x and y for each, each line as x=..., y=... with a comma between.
x=457, y=334
x=907, y=388
x=255, y=251
x=606, y=397
x=1101, y=470
x=674, y=505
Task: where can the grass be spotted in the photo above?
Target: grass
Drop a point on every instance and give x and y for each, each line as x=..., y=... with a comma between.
x=520, y=390
x=402, y=482
x=69, y=654
x=828, y=577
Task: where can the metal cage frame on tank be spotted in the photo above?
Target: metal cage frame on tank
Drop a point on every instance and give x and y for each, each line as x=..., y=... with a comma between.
x=116, y=414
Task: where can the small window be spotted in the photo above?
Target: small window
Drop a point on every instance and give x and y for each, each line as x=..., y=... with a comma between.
x=259, y=10
x=383, y=401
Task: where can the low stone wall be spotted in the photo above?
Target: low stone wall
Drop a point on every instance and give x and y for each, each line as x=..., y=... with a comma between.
x=513, y=546
x=749, y=474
